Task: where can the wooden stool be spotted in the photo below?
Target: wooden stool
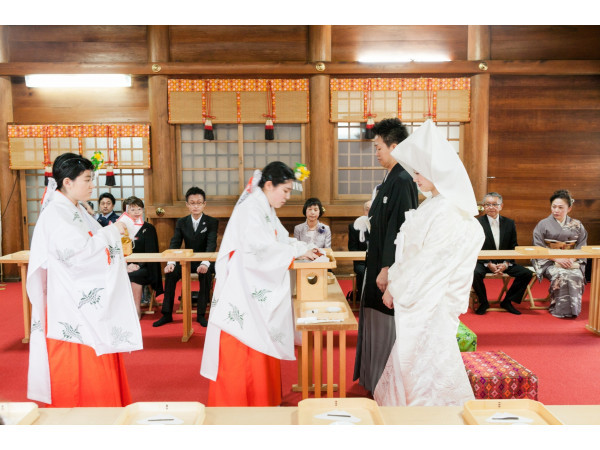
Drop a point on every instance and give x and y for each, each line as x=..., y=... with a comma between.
x=527, y=295
x=152, y=301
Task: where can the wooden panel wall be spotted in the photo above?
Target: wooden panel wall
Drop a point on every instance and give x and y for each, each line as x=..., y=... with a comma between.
x=545, y=42
x=239, y=43
x=544, y=136
x=348, y=42
x=78, y=43
x=80, y=105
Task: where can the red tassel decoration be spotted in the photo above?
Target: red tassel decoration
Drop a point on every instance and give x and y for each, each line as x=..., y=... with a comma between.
x=208, y=130
x=110, y=175
x=47, y=174
x=269, y=130
x=369, y=131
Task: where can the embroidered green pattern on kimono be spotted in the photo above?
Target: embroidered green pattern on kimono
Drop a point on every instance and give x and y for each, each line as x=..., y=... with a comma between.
x=92, y=297
x=235, y=316
x=120, y=336
x=65, y=255
x=69, y=332
x=214, y=302
x=77, y=217
x=260, y=296
x=113, y=251
x=276, y=336
x=36, y=326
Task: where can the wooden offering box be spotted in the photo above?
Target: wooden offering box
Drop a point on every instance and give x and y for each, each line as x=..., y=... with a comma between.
x=311, y=278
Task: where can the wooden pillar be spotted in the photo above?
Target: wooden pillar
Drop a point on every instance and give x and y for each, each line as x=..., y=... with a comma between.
x=320, y=161
x=475, y=152
x=160, y=189
x=10, y=192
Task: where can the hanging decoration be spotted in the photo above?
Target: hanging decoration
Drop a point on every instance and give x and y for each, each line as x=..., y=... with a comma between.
x=110, y=174
x=370, y=116
x=269, y=129
x=430, y=114
x=47, y=161
x=208, y=126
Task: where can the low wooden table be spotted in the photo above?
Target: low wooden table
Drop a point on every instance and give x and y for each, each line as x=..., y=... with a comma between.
x=407, y=415
x=334, y=294
x=22, y=259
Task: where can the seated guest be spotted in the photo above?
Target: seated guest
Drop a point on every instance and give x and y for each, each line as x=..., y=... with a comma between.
x=566, y=275
x=106, y=204
x=198, y=232
x=145, y=241
x=358, y=239
x=500, y=234
x=312, y=231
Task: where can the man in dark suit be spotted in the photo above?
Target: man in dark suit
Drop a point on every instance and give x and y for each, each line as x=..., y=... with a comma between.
x=199, y=232
x=356, y=230
x=106, y=204
x=500, y=234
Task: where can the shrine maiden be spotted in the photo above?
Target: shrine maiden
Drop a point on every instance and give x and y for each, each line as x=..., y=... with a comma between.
x=250, y=328
x=429, y=283
x=83, y=314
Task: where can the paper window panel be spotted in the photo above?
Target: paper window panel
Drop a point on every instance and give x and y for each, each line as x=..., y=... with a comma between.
x=453, y=106
x=253, y=107
x=347, y=106
x=384, y=104
x=414, y=106
x=291, y=106
x=185, y=107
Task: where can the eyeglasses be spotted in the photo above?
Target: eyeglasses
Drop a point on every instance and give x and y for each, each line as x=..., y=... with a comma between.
x=491, y=205
x=195, y=204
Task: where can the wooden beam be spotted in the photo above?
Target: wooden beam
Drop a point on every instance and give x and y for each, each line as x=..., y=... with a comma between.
x=458, y=68
x=319, y=43
x=161, y=189
x=10, y=192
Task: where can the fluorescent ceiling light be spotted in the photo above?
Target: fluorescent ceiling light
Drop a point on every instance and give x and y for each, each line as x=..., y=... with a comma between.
x=78, y=80
x=399, y=58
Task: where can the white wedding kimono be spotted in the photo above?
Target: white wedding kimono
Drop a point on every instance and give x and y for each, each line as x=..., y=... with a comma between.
x=430, y=281
x=252, y=298
x=78, y=285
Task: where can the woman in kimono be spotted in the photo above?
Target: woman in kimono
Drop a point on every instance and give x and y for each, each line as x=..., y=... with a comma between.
x=250, y=328
x=312, y=231
x=145, y=241
x=83, y=315
x=566, y=275
x=430, y=280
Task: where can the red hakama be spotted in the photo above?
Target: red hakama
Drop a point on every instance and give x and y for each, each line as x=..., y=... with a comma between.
x=79, y=378
x=246, y=377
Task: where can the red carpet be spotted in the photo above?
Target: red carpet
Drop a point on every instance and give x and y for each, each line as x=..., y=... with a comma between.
x=564, y=356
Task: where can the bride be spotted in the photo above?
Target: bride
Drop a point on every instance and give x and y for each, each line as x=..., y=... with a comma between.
x=429, y=283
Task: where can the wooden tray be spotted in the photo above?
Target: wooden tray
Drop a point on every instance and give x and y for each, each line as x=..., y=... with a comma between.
x=318, y=309
x=24, y=413
x=178, y=252
x=162, y=413
x=591, y=248
x=364, y=409
x=476, y=412
x=301, y=264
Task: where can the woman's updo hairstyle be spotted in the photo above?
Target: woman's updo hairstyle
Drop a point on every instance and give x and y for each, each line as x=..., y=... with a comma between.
x=69, y=165
x=276, y=172
x=563, y=194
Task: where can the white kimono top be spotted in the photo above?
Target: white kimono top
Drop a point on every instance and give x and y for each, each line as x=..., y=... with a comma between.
x=77, y=275
x=252, y=298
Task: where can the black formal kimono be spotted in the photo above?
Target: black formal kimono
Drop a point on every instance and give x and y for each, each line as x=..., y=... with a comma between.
x=376, y=330
x=204, y=239
x=146, y=241
x=354, y=245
